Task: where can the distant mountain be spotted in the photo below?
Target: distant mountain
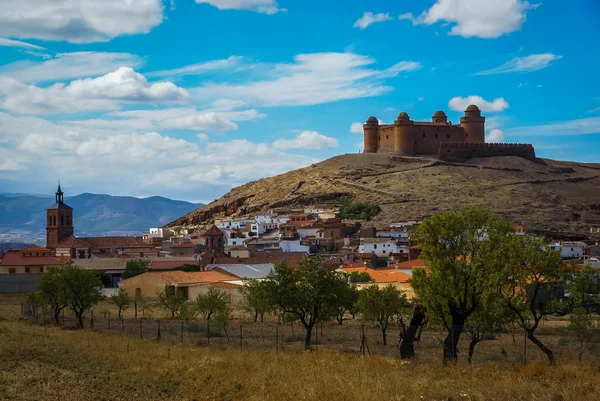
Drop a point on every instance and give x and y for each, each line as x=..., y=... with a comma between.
x=23, y=216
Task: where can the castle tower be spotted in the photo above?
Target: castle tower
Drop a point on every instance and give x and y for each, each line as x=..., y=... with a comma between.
x=59, y=221
x=473, y=125
x=370, y=129
x=439, y=117
x=403, y=135
x=214, y=240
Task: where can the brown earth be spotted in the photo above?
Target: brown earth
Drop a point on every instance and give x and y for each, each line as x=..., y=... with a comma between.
x=553, y=197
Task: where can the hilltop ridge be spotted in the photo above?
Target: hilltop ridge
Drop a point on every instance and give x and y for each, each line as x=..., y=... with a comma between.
x=548, y=196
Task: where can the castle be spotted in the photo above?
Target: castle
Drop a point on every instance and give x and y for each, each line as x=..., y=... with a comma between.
x=439, y=137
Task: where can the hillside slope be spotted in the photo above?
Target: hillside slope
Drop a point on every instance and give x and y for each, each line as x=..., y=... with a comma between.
x=547, y=197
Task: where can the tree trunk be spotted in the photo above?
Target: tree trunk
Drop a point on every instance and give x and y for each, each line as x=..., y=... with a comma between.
x=262, y=317
x=308, y=336
x=408, y=336
x=120, y=309
x=340, y=319
x=542, y=347
x=451, y=341
x=474, y=341
x=255, y=316
x=57, y=317
x=384, y=334
x=79, y=317
x=135, y=309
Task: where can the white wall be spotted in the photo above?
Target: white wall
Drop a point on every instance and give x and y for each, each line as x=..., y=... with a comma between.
x=381, y=248
x=293, y=246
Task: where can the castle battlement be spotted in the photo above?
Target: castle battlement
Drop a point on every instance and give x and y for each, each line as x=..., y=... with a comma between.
x=438, y=137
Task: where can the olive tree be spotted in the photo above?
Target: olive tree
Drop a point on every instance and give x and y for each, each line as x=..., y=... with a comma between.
x=381, y=305
x=171, y=300
x=52, y=293
x=122, y=300
x=80, y=288
x=214, y=303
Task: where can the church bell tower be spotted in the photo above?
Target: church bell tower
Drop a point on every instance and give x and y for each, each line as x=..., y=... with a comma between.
x=59, y=221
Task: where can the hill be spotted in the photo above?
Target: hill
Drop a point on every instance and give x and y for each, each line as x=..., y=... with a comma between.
x=22, y=216
x=558, y=197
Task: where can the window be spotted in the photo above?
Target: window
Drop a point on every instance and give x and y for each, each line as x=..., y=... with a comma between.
x=387, y=137
x=62, y=220
x=12, y=271
x=49, y=220
x=27, y=270
x=138, y=292
x=436, y=136
x=68, y=220
x=447, y=135
x=41, y=269
x=423, y=135
x=375, y=246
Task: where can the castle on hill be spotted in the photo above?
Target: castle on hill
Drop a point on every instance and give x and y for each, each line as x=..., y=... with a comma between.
x=452, y=142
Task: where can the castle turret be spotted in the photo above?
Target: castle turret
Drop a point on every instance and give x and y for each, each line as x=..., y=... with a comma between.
x=473, y=125
x=439, y=117
x=370, y=129
x=403, y=135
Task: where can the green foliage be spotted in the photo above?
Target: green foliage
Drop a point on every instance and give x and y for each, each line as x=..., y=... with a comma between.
x=188, y=268
x=380, y=263
x=214, y=303
x=358, y=277
x=585, y=327
x=461, y=250
x=51, y=292
x=188, y=312
x=122, y=300
x=171, y=300
x=381, y=305
x=136, y=267
x=258, y=298
x=308, y=293
x=79, y=289
x=359, y=211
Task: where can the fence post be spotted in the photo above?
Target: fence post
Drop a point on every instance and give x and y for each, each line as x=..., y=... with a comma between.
x=241, y=338
x=141, y=329
x=181, y=340
x=158, y=332
x=277, y=339
x=317, y=338
x=63, y=316
x=123, y=324
x=108, y=321
x=525, y=348
x=92, y=318
x=208, y=332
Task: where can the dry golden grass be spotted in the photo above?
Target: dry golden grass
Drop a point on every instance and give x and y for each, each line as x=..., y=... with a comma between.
x=52, y=364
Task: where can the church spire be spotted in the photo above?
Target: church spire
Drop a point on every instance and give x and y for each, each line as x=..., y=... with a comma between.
x=59, y=194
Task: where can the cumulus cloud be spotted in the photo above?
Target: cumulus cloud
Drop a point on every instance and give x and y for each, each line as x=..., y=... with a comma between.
x=533, y=62
x=17, y=43
x=475, y=18
x=581, y=126
x=70, y=65
x=460, y=103
x=369, y=18
x=81, y=21
x=307, y=140
x=357, y=128
x=311, y=79
x=102, y=93
x=260, y=6
x=495, y=136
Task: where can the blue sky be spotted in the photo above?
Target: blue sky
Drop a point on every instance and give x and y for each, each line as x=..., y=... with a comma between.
x=186, y=99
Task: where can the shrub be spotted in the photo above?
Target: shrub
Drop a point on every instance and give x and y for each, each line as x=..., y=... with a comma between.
x=359, y=211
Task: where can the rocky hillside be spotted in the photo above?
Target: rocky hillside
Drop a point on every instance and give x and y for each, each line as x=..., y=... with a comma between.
x=562, y=198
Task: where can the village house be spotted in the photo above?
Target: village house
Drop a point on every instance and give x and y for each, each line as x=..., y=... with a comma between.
x=302, y=219
x=591, y=251
x=568, y=250
x=381, y=246
x=231, y=223
x=182, y=250
x=34, y=259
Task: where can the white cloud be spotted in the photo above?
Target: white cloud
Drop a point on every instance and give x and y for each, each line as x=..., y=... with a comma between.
x=529, y=63
x=476, y=18
x=78, y=21
x=102, y=93
x=209, y=121
x=460, y=103
x=198, y=68
x=17, y=43
x=581, y=126
x=495, y=136
x=311, y=79
x=307, y=140
x=369, y=18
x=70, y=65
x=261, y=6
x=357, y=128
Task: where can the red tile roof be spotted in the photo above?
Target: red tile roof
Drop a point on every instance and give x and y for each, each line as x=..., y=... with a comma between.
x=183, y=246
x=17, y=259
x=291, y=258
x=213, y=232
x=381, y=275
x=170, y=264
x=35, y=249
x=409, y=264
x=100, y=242
x=177, y=277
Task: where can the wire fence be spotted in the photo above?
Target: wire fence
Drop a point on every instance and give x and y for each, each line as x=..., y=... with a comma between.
x=352, y=337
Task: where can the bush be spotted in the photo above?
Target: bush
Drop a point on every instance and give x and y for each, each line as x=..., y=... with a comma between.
x=359, y=211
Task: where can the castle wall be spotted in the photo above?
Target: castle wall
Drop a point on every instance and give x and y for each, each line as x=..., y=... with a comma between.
x=460, y=151
x=385, y=138
x=429, y=137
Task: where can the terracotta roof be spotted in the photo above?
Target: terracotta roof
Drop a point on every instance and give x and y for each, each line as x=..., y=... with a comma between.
x=170, y=264
x=380, y=275
x=100, y=242
x=291, y=258
x=409, y=264
x=17, y=259
x=213, y=232
x=35, y=249
x=177, y=277
x=183, y=246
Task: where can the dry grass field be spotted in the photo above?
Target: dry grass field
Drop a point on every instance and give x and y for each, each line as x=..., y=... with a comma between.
x=48, y=363
x=42, y=362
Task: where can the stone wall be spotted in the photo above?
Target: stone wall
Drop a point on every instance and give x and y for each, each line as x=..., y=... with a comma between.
x=460, y=151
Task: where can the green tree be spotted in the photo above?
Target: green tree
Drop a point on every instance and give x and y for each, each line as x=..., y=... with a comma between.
x=585, y=327
x=359, y=211
x=347, y=302
x=533, y=277
x=122, y=300
x=51, y=292
x=309, y=292
x=359, y=277
x=171, y=300
x=80, y=288
x=214, y=302
x=135, y=267
x=188, y=312
x=381, y=305
x=258, y=299
x=460, y=249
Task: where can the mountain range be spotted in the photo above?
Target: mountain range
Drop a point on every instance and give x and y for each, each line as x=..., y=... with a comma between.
x=22, y=216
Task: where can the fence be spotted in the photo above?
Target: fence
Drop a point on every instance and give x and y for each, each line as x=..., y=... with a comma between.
x=19, y=283
x=353, y=337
